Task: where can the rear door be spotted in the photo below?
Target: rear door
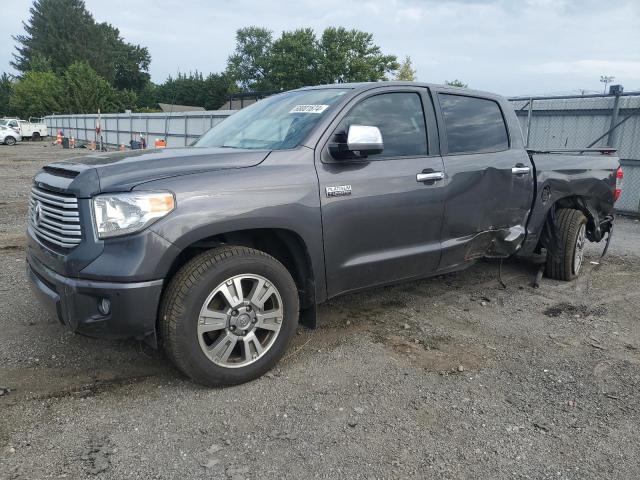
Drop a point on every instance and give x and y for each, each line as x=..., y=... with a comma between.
x=380, y=223
x=489, y=179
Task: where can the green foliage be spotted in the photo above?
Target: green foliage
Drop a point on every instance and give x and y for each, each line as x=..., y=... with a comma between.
x=250, y=65
x=294, y=60
x=351, y=56
x=195, y=90
x=61, y=32
x=85, y=91
x=456, y=83
x=37, y=94
x=406, y=71
x=6, y=87
x=299, y=58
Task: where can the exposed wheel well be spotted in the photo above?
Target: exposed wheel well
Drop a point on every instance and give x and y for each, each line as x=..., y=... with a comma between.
x=284, y=245
x=578, y=202
x=548, y=238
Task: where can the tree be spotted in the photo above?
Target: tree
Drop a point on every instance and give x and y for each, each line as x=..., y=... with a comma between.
x=61, y=32
x=406, y=71
x=37, y=94
x=194, y=89
x=85, y=91
x=299, y=58
x=6, y=87
x=351, y=56
x=456, y=83
x=250, y=65
x=295, y=60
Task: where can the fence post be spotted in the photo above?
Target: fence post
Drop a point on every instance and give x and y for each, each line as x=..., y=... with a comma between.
x=529, y=121
x=611, y=139
x=186, y=123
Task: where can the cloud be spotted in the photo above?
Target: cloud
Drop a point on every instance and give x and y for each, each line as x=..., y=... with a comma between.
x=506, y=46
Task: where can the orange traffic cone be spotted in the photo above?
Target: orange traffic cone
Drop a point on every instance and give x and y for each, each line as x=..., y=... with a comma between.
x=160, y=143
x=92, y=145
x=59, y=138
x=72, y=142
x=121, y=147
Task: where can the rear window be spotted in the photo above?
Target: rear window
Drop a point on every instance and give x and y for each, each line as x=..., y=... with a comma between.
x=473, y=124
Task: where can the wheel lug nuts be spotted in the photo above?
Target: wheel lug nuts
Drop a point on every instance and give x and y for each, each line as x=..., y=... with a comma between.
x=248, y=308
x=234, y=313
x=232, y=328
x=244, y=332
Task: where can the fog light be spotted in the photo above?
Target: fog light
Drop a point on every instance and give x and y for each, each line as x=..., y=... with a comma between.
x=104, y=306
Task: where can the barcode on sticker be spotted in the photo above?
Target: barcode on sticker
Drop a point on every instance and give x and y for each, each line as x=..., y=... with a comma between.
x=309, y=108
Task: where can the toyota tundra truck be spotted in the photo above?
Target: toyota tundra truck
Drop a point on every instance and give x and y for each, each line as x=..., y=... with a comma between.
x=216, y=252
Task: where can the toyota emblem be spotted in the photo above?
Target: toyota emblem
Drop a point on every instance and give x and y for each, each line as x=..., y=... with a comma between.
x=37, y=213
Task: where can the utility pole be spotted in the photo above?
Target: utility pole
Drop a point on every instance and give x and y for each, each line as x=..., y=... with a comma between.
x=606, y=79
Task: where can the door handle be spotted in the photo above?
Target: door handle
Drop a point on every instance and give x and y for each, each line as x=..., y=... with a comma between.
x=431, y=176
x=520, y=170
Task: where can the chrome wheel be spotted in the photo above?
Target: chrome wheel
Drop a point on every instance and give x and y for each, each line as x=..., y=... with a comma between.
x=579, y=250
x=10, y=141
x=240, y=320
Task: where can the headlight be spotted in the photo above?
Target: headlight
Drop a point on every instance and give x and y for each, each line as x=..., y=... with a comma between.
x=122, y=213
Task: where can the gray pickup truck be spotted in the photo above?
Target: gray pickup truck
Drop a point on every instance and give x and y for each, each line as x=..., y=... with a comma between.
x=216, y=251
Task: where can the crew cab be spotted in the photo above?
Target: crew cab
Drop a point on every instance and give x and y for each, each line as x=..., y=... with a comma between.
x=216, y=251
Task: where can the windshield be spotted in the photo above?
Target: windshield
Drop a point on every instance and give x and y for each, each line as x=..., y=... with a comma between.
x=275, y=123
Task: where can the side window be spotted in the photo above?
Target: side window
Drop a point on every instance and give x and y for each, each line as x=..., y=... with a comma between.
x=400, y=118
x=473, y=124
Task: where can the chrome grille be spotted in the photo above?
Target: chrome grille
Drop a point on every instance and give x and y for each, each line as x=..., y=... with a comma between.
x=55, y=218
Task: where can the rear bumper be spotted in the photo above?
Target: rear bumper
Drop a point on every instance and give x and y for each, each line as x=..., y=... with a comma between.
x=133, y=306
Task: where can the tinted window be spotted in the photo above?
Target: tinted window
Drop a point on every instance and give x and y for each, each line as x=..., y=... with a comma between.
x=399, y=117
x=473, y=124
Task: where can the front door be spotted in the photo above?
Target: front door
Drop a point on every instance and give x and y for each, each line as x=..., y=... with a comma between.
x=381, y=222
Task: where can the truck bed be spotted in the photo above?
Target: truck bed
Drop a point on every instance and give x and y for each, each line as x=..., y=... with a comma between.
x=583, y=179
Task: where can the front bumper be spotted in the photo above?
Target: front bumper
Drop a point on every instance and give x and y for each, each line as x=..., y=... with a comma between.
x=74, y=302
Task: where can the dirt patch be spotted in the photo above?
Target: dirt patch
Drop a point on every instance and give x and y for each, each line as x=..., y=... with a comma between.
x=571, y=310
x=441, y=354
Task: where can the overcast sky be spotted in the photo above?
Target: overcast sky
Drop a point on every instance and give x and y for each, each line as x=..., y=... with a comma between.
x=510, y=47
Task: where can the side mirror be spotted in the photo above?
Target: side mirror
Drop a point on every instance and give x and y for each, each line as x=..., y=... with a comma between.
x=362, y=140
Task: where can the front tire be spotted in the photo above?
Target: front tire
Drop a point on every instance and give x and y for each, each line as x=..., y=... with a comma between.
x=572, y=228
x=228, y=315
x=9, y=141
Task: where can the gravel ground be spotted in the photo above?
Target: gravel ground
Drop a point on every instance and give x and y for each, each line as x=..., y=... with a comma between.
x=450, y=377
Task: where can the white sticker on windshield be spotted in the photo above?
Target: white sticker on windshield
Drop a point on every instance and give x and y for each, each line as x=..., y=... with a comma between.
x=309, y=108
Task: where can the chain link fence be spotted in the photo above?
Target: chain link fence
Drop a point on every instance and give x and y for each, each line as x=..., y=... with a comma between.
x=588, y=121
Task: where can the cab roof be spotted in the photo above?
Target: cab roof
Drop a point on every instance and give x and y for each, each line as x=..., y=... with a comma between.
x=363, y=86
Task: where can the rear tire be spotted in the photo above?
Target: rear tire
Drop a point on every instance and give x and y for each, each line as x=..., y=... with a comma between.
x=9, y=141
x=228, y=315
x=571, y=225
x=35, y=137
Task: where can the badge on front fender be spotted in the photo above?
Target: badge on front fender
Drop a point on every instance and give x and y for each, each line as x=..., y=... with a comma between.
x=338, y=190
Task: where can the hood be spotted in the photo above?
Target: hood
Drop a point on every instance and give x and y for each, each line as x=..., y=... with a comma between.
x=125, y=170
